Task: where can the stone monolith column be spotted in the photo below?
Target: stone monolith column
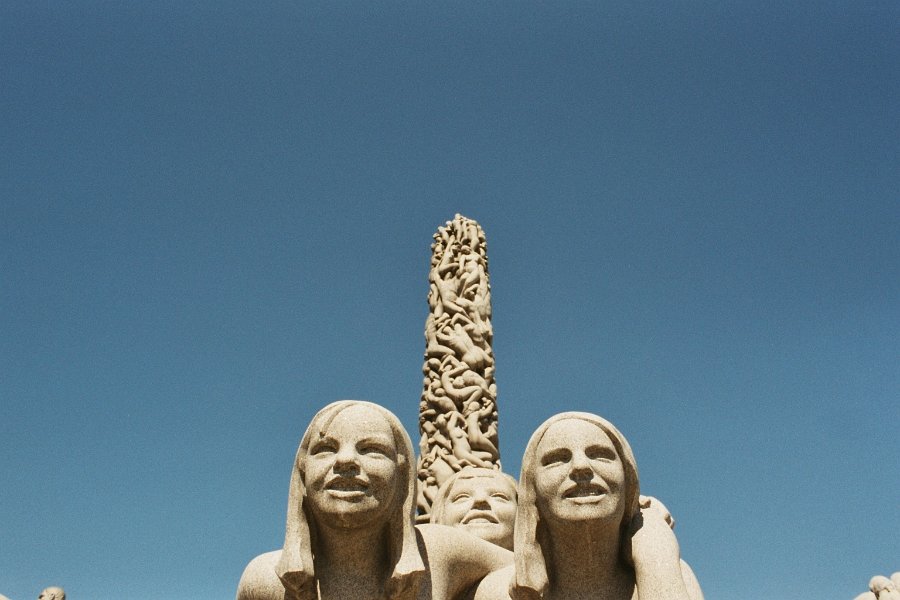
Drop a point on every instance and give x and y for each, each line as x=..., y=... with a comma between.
x=458, y=410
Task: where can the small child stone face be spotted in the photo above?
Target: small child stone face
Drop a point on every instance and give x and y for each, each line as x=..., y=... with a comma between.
x=484, y=505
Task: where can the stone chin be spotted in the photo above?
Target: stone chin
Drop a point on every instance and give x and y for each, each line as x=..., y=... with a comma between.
x=347, y=509
x=491, y=532
x=584, y=508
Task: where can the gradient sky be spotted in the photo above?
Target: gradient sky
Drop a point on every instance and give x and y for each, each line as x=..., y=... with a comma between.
x=216, y=218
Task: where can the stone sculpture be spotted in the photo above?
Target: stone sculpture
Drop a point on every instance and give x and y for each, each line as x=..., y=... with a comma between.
x=882, y=588
x=481, y=502
x=350, y=529
x=458, y=411
x=53, y=593
x=582, y=525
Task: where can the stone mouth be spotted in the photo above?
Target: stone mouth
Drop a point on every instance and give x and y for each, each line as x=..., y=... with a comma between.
x=480, y=517
x=585, y=490
x=347, y=484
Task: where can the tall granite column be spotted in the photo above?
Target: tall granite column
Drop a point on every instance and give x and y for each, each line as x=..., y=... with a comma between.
x=458, y=411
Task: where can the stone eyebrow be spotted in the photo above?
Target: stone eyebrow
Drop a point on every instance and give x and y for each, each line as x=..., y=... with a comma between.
x=602, y=444
x=376, y=437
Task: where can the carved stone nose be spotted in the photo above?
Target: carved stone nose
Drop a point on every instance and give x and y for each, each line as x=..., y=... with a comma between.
x=346, y=459
x=581, y=467
x=581, y=473
x=480, y=501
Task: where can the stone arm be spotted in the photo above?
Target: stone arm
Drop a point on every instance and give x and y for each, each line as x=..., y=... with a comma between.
x=690, y=582
x=659, y=572
x=495, y=586
x=446, y=263
x=458, y=560
x=259, y=582
x=675, y=581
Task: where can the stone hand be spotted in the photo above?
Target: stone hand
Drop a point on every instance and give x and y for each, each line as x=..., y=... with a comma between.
x=651, y=538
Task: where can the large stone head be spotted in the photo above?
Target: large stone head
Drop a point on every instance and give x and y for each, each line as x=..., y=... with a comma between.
x=577, y=468
x=352, y=469
x=53, y=593
x=480, y=501
x=355, y=468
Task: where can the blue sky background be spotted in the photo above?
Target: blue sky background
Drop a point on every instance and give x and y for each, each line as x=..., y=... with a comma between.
x=216, y=218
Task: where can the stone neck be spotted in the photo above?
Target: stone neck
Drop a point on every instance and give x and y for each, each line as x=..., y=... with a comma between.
x=584, y=561
x=354, y=558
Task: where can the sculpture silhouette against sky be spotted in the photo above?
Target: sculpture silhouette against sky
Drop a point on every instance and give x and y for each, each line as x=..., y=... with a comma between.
x=576, y=522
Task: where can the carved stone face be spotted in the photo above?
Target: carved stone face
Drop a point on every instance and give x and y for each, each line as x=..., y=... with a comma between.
x=351, y=471
x=484, y=505
x=52, y=593
x=579, y=475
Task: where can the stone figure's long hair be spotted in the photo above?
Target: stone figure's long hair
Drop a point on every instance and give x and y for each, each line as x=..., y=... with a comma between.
x=531, y=579
x=441, y=498
x=295, y=568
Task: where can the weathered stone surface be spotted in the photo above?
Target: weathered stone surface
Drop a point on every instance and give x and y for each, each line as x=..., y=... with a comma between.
x=350, y=529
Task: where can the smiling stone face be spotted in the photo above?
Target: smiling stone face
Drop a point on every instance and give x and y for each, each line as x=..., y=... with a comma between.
x=579, y=475
x=483, y=502
x=351, y=471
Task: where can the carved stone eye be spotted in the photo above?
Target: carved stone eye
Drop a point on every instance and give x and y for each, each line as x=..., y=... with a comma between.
x=373, y=449
x=323, y=448
x=556, y=457
x=601, y=453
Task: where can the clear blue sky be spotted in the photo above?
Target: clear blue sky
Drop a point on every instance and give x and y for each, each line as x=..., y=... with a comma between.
x=216, y=218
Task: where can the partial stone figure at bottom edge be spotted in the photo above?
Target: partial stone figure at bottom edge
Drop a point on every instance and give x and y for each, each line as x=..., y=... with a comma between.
x=53, y=593
x=582, y=525
x=882, y=588
x=350, y=529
